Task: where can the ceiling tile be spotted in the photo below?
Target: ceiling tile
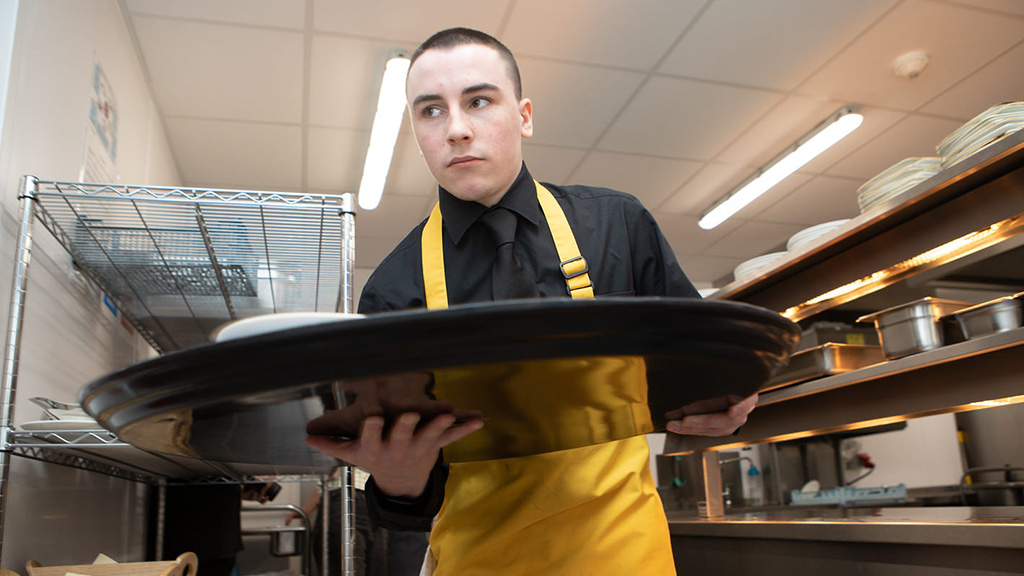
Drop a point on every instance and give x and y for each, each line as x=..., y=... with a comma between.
x=409, y=175
x=344, y=83
x=777, y=130
x=572, y=103
x=819, y=200
x=752, y=239
x=767, y=44
x=876, y=122
x=957, y=38
x=703, y=269
x=649, y=179
x=706, y=186
x=999, y=81
x=551, y=163
x=1008, y=6
x=410, y=22
x=685, y=119
x=274, y=13
x=913, y=136
x=771, y=196
x=632, y=34
x=393, y=219
x=686, y=238
x=227, y=72
x=334, y=159
x=237, y=154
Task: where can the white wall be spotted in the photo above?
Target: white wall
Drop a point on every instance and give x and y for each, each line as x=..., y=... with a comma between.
x=926, y=453
x=55, y=514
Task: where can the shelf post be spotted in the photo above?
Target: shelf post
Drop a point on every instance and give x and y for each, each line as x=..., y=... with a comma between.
x=345, y=300
x=15, y=314
x=713, y=506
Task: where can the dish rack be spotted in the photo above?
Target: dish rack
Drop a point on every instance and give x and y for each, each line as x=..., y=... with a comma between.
x=176, y=263
x=850, y=496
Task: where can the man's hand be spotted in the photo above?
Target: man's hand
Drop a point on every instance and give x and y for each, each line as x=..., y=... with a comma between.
x=400, y=463
x=715, y=424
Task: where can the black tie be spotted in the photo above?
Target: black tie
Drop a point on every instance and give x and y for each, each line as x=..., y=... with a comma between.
x=510, y=280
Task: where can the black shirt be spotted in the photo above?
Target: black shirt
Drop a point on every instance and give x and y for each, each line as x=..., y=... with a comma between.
x=622, y=244
x=617, y=236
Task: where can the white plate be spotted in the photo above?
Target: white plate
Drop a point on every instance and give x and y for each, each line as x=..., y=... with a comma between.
x=275, y=322
x=745, y=269
x=89, y=424
x=811, y=234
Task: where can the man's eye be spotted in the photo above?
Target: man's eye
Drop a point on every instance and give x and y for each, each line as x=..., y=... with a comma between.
x=431, y=112
x=479, y=102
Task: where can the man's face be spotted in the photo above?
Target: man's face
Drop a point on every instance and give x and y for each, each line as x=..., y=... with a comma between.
x=468, y=123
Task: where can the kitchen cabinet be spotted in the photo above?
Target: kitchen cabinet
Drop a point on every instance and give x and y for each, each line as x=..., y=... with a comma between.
x=962, y=228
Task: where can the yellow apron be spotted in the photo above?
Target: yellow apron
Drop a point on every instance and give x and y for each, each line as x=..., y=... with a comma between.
x=588, y=511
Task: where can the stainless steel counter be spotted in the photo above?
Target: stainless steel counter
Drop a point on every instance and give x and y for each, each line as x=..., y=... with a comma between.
x=990, y=527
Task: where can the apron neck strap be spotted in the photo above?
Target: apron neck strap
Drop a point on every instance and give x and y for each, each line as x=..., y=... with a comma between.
x=572, y=264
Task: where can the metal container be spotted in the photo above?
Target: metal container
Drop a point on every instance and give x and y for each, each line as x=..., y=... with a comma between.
x=913, y=327
x=825, y=360
x=287, y=540
x=991, y=317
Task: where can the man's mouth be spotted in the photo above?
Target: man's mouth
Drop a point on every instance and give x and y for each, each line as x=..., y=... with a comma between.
x=462, y=161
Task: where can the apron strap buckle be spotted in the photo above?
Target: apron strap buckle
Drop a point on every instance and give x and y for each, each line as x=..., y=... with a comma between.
x=574, y=267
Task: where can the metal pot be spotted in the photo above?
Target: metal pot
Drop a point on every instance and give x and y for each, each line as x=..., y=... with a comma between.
x=914, y=327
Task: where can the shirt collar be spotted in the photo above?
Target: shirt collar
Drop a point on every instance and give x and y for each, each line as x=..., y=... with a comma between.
x=459, y=215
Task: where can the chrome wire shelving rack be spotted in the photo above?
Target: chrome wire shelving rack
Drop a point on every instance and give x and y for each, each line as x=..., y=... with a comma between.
x=179, y=262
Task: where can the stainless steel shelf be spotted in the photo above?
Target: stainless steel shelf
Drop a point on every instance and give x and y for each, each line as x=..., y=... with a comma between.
x=179, y=262
x=963, y=376
x=964, y=198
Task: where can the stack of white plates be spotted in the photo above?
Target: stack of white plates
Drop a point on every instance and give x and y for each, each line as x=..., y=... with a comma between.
x=747, y=269
x=809, y=235
x=896, y=179
x=981, y=131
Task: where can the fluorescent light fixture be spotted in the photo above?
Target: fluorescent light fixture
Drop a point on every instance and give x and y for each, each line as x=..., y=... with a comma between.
x=832, y=130
x=386, y=122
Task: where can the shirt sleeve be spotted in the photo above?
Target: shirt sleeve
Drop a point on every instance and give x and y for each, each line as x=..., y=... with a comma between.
x=656, y=272
x=405, y=514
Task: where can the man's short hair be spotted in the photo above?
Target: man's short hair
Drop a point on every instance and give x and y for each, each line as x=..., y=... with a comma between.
x=454, y=37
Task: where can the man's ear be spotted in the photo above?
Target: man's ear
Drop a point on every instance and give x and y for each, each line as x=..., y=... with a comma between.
x=526, y=114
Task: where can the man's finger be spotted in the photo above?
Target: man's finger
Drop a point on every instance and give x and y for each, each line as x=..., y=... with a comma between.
x=458, y=432
x=744, y=407
x=433, y=430
x=371, y=434
x=403, y=428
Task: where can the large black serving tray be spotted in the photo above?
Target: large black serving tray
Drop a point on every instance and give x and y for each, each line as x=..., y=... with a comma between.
x=545, y=375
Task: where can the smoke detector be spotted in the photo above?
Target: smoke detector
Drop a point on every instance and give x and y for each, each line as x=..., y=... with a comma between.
x=911, y=64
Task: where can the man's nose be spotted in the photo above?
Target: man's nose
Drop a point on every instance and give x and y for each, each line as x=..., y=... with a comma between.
x=459, y=127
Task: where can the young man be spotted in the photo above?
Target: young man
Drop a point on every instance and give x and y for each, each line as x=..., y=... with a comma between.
x=592, y=510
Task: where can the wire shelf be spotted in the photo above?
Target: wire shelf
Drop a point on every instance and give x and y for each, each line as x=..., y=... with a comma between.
x=179, y=262
x=102, y=451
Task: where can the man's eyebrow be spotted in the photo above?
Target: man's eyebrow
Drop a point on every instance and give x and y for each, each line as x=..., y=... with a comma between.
x=425, y=98
x=479, y=87
x=468, y=90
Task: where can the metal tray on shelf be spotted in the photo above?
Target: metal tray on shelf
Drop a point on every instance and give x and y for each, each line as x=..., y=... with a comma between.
x=991, y=317
x=825, y=360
